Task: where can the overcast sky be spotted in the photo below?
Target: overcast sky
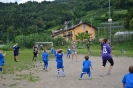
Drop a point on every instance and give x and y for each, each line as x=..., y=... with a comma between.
x=21, y=1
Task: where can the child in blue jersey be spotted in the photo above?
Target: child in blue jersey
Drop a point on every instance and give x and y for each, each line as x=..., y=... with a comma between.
x=59, y=61
x=1, y=60
x=86, y=68
x=54, y=53
x=128, y=79
x=122, y=51
x=68, y=52
x=45, y=59
x=52, y=50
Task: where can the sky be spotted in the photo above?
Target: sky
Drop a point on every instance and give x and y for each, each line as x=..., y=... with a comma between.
x=21, y=1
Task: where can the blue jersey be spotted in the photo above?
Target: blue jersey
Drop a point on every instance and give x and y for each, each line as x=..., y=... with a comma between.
x=44, y=56
x=55, y=52
x=16, y=49
x=87, y=64
x=59, y=60
x=68, y=51
x=52, y=50
x=1, y=59
x=106, y=52
x=59, y=57
x=128, y=80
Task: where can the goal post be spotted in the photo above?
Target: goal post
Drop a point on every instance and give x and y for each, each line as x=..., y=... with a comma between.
x=45, y=43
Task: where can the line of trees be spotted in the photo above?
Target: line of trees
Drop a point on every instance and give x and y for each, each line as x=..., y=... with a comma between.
x=34, y=17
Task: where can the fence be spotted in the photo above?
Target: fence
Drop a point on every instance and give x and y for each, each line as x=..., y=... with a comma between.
x=117, y=34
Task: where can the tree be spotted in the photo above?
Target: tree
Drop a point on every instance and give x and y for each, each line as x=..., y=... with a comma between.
x=82, y=36
x=131, y=23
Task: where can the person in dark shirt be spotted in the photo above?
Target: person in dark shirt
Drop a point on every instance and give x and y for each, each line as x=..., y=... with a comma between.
x=88, y=48
x=16, y=50
x=35, y=52
x=102, y=42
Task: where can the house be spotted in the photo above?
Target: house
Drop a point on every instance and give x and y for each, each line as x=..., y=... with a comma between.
x=71, y=32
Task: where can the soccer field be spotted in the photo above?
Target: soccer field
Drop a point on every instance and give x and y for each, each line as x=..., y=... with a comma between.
x=30, y=74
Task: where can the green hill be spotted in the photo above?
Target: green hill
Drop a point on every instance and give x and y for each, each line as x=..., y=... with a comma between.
x=34, y=17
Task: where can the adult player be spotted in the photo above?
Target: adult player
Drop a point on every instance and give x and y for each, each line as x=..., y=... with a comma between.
x=106, y=56
x=16, y=50
x=74, y=51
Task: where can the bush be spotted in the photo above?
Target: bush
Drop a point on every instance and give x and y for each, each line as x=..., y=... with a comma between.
x=7, y=47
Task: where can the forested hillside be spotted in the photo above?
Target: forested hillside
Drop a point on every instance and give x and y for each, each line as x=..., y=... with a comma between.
x=34, y=17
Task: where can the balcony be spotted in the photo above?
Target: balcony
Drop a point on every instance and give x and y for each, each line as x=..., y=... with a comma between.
x=64, y=35
x=68, y=35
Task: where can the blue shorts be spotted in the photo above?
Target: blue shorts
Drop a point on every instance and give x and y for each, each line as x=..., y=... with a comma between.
x=15, y=54
x=87, y=70
x=60, y=65
x=1, y=64
x=45, y=61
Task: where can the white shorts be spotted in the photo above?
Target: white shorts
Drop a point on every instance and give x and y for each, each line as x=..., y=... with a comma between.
x=74, y=52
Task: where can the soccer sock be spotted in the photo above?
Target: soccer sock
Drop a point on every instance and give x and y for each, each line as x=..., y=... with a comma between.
x=14, y=59
x=89, y=74
x=63, y=73
x=46, y=66
x=58, y=72
x=81, y=74
x=69, y=55
x=0, y=69
x=33, y=58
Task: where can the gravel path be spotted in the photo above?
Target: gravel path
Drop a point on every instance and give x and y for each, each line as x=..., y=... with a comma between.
x=72, y=70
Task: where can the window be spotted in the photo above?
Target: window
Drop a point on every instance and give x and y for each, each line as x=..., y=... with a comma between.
x=70, y=33
x=84, y=26
x=86, y=32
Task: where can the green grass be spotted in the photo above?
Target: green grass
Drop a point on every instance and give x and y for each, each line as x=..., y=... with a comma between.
x=24, y=61
x=11, y=85
x=28, y=77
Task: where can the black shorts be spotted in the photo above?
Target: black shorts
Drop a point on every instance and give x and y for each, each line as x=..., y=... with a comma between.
x=35, y=54
x=110, y=61
x=15, y=53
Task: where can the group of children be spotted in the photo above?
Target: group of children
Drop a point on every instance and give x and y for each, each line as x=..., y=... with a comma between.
x=59, y=59
x=87, y=66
